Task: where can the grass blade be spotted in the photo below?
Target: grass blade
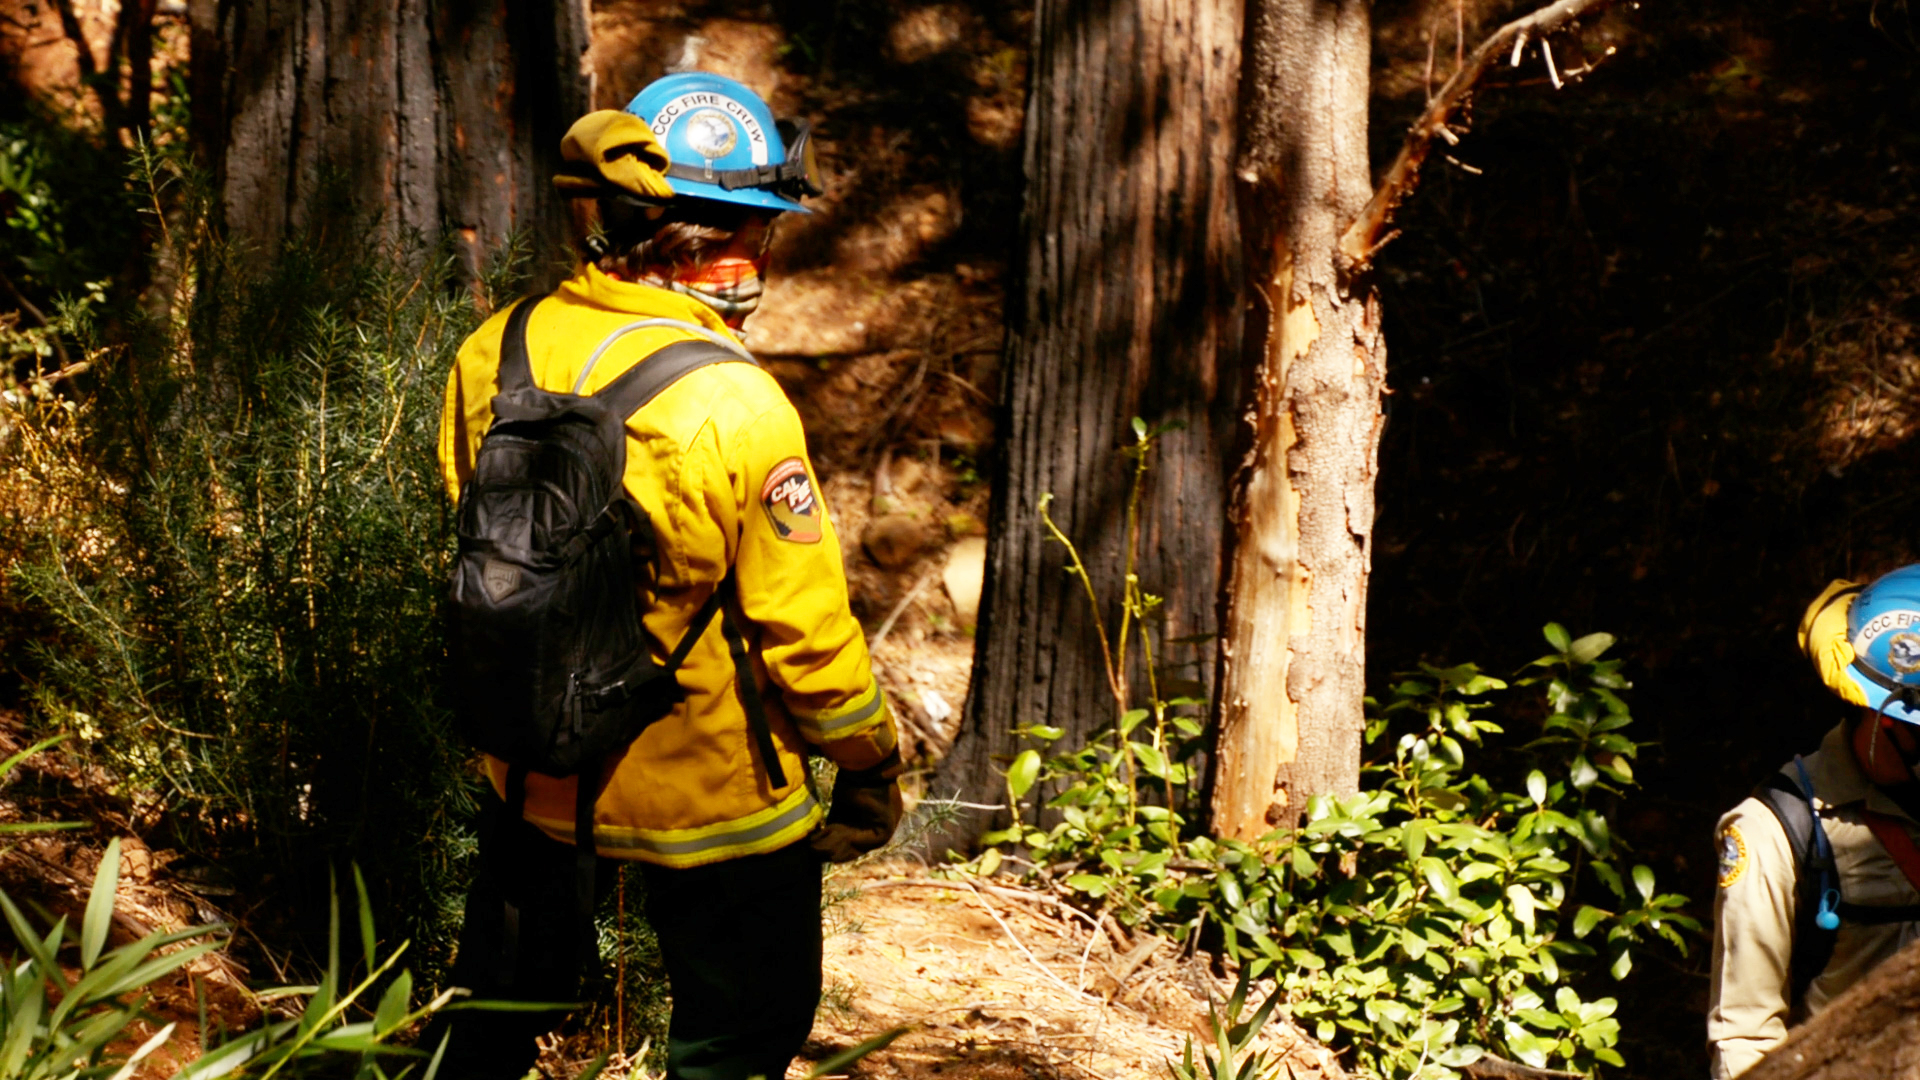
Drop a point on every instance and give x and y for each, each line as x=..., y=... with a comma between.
x=852, y=1054
x=159, y=1039
x=99, y=917
x=366, y=918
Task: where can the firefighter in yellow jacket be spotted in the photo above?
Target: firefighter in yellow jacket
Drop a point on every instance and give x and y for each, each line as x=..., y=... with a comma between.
x=1819, y=869
x=687, y=181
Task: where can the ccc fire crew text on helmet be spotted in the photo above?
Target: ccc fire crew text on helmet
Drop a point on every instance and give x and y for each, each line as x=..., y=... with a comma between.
x=686, y=103
x=1885, y=621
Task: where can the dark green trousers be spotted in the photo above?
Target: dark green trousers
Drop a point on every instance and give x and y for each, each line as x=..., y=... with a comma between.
x=741, y=940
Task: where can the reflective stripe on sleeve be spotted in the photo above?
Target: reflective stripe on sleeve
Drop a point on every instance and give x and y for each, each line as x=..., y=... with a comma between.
x=866, y=711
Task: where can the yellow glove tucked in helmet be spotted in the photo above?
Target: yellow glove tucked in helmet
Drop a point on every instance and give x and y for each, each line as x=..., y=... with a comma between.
x=611, y=151
x=1823, y=637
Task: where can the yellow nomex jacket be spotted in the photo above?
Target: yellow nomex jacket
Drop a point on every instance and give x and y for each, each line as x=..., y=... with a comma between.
x=718, y=462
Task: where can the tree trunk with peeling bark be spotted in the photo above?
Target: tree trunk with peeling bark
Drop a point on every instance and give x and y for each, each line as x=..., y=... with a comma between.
x=391, y=118
x=1129, y=306
x=1293, y=656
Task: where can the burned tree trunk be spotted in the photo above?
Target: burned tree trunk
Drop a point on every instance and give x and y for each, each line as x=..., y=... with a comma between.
x=1130, y=306
x=390, y=118
x=1293, y=658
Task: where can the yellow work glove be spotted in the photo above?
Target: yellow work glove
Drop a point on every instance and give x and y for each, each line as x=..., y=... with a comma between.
x=1823, y=637
x=866, y=809
x=610, y=150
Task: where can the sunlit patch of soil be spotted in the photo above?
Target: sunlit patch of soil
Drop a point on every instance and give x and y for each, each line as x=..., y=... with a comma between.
x=999, y=981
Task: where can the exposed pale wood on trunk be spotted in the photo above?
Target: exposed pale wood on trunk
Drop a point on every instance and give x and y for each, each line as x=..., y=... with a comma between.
x=1129, y=306
x=1293, y=662
x=1871, y=1032
x=396, y=117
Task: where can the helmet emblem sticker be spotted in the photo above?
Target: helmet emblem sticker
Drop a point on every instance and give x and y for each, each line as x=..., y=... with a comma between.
x=710, y=134
x=1903, y=652
x=1733, y=856
x=713, y=111
x=791, y=505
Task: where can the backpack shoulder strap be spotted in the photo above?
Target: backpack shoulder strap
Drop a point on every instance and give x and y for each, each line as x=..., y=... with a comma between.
x=1789, y=804
x=658, y=370
x=516, y=371
x=1814, y=876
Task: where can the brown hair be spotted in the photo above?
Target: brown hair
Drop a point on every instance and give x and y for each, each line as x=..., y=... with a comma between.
x=656, y=241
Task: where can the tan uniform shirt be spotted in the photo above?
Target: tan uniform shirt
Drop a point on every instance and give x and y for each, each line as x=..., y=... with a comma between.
x=1753, y=910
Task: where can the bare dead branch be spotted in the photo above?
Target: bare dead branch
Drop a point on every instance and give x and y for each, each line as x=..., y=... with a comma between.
x=27, y=308
x=1363, y=238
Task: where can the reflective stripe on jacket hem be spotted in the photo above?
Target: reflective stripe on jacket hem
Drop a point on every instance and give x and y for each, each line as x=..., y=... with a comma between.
x=766, y=830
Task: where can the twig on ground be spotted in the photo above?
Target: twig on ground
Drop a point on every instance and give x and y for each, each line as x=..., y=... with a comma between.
x=1021, y=945
x=886, y=625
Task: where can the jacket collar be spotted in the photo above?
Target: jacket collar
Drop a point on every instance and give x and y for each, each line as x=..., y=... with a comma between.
x=1838, y=781
x=593, y=287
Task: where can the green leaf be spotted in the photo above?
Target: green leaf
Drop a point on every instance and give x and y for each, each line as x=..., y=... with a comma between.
x=1139, y=430
x=1588, y=649
x=1045, y=732
x=1537, y=787
x=1622, y=964
x=1151, y=759
x=1091, y=884
x=1643, y=881
x=989, y=862
x=1610, y=877
x=1582, y=773
x=1557, y=636
x=1586, y=919
x=1023, y=772
x=367, y=943
x=1523, y=904
x=99, y=917
x=1131, y=719
x=392, y=1011
x=1440, y=879
x=838, y=1062
x=1414, y=839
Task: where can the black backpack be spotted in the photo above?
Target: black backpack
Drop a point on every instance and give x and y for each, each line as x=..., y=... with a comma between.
x=1816, y=881
x=550, y=666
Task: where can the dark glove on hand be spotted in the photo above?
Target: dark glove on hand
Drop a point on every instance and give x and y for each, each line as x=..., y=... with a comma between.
x=866, y=809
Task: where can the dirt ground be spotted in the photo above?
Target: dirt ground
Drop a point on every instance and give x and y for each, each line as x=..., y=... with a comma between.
x=997, y=982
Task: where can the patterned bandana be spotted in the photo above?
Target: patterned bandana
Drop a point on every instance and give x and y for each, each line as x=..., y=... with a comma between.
x=729, y=285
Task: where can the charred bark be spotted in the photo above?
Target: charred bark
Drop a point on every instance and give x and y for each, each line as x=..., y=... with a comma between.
x=393, y=118
x=1129, y=306
x=1293, y=658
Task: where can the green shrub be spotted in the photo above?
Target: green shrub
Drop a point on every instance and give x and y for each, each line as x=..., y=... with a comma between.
x=1442, y=914
x=238, y=534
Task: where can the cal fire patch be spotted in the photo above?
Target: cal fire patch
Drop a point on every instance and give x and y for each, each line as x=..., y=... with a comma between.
x=1733, y=856
x=791, y=505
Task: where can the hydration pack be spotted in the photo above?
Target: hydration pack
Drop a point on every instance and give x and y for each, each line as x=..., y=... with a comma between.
x=550, y=662
x=1819, y=908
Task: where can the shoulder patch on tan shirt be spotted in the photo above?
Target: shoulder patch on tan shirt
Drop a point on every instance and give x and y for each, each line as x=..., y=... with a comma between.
x=1733, y=856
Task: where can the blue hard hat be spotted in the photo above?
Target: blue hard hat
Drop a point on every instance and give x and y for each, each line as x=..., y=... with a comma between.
x=1883, y=626
x=724, y=144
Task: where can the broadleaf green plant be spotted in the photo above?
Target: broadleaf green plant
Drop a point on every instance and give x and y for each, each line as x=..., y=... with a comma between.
x=1455, y=908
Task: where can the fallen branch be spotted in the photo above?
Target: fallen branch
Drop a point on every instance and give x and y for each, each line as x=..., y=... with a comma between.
x=1363, y=238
